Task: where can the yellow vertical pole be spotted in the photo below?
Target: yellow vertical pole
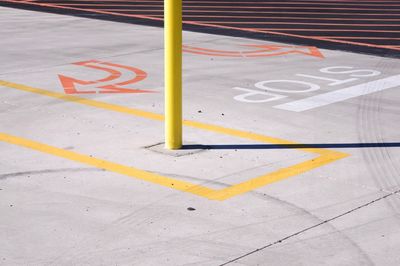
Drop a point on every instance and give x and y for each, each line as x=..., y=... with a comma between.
x=173, y=73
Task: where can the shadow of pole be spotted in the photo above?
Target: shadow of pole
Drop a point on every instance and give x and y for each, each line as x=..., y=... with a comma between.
x=289, y=146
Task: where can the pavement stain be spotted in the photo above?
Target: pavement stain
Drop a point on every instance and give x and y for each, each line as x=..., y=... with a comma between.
x=47, y=171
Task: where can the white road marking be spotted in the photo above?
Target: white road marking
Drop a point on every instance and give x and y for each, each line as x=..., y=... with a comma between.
x=341, y=95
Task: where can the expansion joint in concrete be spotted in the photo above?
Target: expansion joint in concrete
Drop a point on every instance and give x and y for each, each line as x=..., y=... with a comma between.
x=397, y=192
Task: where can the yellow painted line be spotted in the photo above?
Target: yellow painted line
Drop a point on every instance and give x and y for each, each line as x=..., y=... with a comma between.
x=153, y=116
x=75, y=99
x=324, y=156
x=110, y=166
x=278, y=175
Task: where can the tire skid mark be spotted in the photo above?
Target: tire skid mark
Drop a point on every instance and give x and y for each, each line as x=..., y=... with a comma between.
x=382, y=166
x=394, y=193
x=48, y=171
x=157, y=214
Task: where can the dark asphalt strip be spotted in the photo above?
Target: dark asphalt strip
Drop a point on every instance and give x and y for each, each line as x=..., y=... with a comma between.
x=342, y=36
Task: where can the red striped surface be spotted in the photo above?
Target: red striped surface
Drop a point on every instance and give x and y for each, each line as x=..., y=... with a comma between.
x=363, y=23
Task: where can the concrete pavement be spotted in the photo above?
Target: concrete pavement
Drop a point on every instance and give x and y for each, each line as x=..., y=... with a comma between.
x=83, y=182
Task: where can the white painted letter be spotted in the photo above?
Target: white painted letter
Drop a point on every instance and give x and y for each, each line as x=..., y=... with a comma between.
x=308, y=86
x=361, y=72
x=265, y=96
x=334, y=82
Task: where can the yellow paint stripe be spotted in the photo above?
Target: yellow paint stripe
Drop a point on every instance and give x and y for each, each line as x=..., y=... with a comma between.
x=159, y=117
x=75, y=99
x=325, y=156
x=251, y=136
x=277, y=176
x=110, y=166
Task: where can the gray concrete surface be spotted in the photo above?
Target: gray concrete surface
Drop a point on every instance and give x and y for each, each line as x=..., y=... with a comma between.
x=56, y=211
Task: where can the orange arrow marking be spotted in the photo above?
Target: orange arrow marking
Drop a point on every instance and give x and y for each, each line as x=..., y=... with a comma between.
x=109, y=84
x=263, y=51
x=140, y=75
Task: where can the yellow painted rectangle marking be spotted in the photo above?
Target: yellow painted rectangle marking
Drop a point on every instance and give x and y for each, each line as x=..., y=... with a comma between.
x=324, y=156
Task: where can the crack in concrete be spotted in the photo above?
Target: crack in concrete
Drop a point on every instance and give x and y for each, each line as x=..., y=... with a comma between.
x=310, y=228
